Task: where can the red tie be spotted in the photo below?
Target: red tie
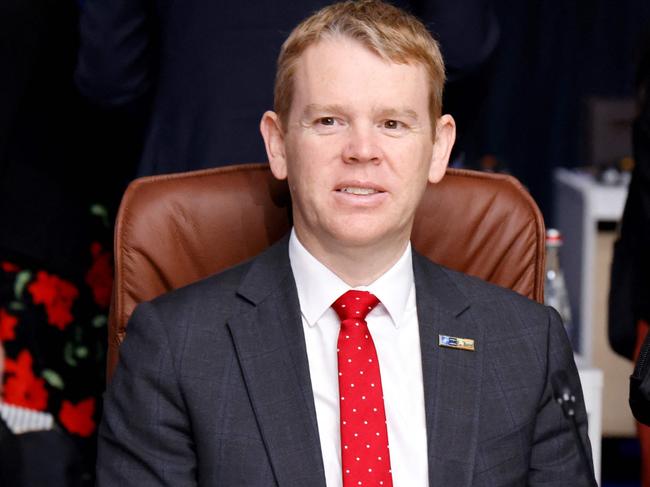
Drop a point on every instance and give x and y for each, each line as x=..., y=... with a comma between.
x=364, y=438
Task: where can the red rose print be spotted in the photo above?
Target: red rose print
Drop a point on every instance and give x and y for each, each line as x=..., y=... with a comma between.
x=9, y=267
x=78, y=419
x=7, y=324
x=22, y=388
x=100, y=275
x=57, y=295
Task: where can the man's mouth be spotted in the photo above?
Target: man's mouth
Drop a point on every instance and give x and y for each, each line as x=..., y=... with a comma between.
x=358, y=191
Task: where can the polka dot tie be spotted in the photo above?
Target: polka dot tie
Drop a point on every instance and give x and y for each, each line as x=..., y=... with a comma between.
x=364, y=439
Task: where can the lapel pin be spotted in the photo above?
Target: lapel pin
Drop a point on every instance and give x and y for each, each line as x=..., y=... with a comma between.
x=455, y=342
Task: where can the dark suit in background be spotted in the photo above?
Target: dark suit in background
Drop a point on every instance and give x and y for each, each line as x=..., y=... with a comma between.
x=629, y=295
x=213, y=386
x=10, y=459
x=206, y=68
x=629, y=298
x=39, y=458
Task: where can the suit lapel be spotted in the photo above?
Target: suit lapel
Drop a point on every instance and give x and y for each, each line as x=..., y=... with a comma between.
x=270, y=345
x=452, y=377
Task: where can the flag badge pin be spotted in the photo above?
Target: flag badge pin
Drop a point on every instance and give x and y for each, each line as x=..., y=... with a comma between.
x=455, y=342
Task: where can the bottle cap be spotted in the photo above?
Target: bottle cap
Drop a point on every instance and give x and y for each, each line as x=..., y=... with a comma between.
x=553, y=237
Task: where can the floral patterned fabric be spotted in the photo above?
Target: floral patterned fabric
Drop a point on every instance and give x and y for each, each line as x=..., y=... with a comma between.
x=53, y=329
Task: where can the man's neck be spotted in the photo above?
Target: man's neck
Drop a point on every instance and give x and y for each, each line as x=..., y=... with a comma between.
x=356, y=266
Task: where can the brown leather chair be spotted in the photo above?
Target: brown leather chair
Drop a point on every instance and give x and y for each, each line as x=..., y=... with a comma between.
x=174, y=229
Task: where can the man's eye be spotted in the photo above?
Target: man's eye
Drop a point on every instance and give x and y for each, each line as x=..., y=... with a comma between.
x=392, y=124
x=326, y=121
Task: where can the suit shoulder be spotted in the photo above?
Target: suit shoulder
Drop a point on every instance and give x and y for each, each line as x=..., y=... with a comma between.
x=212, y=294
x=507, y=310
x=479, y=290
x=231, y=290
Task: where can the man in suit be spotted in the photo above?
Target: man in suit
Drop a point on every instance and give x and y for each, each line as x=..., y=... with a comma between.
x=340, y=356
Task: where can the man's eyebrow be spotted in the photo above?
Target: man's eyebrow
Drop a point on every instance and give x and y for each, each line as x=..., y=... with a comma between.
x=399, y=112
x=313, y=108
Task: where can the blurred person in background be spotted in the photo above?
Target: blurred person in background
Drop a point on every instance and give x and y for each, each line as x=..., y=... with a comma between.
x=203, y=70
x=629, y=299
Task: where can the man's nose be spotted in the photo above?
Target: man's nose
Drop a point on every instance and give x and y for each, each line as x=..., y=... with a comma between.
x=362, y=145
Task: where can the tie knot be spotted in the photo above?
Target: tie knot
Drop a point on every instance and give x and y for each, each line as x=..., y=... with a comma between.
x=355, y=305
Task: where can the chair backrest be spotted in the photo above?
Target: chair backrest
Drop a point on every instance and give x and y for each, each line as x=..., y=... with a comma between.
x=175, y=229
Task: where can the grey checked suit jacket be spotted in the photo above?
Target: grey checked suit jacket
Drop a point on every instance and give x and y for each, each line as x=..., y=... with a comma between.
x=213, y=386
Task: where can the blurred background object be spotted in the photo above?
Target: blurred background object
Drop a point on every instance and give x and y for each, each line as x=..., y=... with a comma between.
x=629, y=297
x=204, y=88
x=555, y=292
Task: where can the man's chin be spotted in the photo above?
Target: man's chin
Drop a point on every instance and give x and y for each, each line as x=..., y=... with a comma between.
x=362, y=234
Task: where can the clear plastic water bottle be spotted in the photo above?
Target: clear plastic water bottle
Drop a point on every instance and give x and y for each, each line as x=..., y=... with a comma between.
x=555, y=292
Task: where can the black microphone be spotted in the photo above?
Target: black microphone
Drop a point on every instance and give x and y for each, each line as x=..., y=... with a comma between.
x=565, y=397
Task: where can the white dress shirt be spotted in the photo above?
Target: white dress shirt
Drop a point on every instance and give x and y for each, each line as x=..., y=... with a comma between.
x=393, y=325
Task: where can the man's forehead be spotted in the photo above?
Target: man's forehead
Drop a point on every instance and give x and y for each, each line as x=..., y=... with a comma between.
x=340, y=72
x=339, y=46
x=341, y=58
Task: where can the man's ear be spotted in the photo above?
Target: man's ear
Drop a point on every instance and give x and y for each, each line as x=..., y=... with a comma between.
x=271, y=129
x=445, y=137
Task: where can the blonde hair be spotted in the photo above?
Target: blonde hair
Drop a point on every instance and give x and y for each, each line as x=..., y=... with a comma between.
x=388, y=31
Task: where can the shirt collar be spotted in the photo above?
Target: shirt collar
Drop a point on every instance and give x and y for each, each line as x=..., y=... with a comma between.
x=318, y=287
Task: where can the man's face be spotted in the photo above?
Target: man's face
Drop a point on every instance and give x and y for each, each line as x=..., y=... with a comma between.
x=357, y=148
